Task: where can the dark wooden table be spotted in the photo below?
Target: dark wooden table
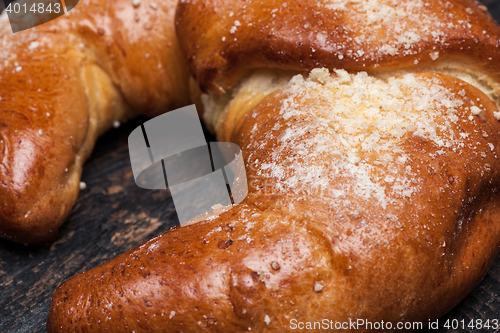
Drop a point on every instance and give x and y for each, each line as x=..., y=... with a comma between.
x=114, y=215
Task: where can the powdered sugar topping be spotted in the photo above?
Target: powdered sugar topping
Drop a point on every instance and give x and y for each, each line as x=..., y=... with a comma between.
x=345, y=132
x=394, y=25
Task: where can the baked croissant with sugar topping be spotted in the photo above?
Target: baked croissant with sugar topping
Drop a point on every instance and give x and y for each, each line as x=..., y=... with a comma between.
x=370, y=133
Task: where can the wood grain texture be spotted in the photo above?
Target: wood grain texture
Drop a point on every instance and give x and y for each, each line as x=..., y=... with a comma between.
x=113, y=215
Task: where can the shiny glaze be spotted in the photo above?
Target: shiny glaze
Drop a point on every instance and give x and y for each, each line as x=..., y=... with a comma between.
x=284, y=255
x=64, y=83
x=307, y=34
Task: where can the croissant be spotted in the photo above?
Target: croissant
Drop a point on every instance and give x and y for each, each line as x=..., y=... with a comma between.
x=62, y=85
x=370, y=134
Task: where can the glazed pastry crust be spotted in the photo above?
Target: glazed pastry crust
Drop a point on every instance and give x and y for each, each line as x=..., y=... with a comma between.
x=333, y=246
x=224, y=39
x=370, y=134
x=63, y=84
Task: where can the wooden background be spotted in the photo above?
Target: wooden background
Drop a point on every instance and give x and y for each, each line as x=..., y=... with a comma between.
x=113, y=215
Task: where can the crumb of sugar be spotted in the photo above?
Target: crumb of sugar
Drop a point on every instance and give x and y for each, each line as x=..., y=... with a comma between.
x=318, y=287
x=33, y=45
x=319, y=75
x=475, y=110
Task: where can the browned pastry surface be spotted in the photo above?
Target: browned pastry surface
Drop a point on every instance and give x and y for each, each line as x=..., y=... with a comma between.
x=372, y=195
x=223, y=39
x=401, y=234
x=64, y=83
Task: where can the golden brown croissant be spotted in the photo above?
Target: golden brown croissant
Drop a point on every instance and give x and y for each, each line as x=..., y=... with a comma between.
x=370, y=132
x=64, y=83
